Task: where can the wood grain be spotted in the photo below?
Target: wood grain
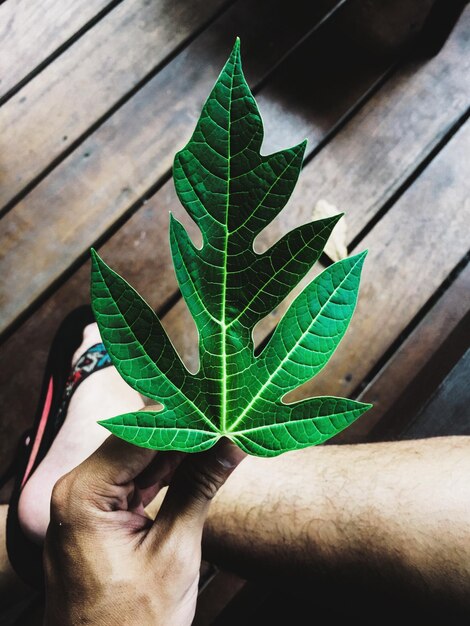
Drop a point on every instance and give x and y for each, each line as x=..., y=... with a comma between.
x=66, y=98
x=381, y=145
x=416, y=368
x=385, y=141
x=442, y=83
x=32, y=31
x=140, y=251
x=446, y=413
x=412, y=250
x=95, y=186
x=140, y=248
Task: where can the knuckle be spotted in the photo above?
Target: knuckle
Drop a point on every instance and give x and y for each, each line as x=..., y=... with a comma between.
x=202, y=482
x=60, y=492
x=62, y=497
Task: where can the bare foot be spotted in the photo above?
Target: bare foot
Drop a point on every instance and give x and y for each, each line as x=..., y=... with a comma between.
x=103, y=394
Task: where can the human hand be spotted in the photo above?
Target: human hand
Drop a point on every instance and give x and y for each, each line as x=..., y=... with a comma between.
x=106, y=562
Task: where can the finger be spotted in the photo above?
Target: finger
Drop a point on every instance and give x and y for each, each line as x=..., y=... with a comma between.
x=117, y=462
x=158, y=474
x=195, y=483
x=160, y=469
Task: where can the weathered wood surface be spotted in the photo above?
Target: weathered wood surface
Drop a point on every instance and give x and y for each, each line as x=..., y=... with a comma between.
x=447, y=412
x=412, y=250
x=64, y=100
x=133, y=251
x=418, y=106
x=32, y=31
x=140, y=249
x=222, y=589
x=418, y=227
x=418, y=365
x=444, y=78
x=95, y=186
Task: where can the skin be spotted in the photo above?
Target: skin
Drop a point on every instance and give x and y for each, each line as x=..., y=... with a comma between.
x=388, y=522
x=105, y=561
x=379, y=524
x=100, y=396
x=390, y=517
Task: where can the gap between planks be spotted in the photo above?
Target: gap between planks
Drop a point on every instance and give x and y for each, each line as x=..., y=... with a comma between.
x=24, y=55
x=346, y=160
x=101, y=183
x=421, y=359
x=53, y=115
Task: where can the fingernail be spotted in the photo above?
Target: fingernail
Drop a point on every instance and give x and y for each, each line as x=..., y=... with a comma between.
x=228, y=454
x=226, y=462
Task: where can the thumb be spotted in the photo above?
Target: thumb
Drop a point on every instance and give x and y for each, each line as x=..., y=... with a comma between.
x=194, y=484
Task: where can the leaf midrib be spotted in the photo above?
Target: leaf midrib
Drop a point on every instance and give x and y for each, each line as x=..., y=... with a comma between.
x=273, y=276
x=278, y=177
x=271, y=377
x=173, y=386
x=223, y=325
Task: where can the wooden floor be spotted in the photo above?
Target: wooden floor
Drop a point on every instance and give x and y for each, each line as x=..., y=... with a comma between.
x=97, y=96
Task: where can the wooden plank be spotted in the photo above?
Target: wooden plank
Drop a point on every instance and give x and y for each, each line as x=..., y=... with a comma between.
x=446, y=413
x=382, y=154
x=408, y=378
x=25, y=352
x=375, y=153
x=411, y=252
x=140, y=249
x=367, y=162
x=215, y=597
x=65, y=99
x=418, y=135
x=32, y=31
x=129, y=153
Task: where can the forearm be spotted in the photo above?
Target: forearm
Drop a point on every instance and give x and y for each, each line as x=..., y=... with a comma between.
x=392, y=514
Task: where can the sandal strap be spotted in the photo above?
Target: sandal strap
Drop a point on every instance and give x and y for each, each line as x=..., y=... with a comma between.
x=15, y=464
x=93, y=360
x=24, y=555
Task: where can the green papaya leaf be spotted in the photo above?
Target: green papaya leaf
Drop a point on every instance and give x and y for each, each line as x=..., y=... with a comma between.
x=233, y=192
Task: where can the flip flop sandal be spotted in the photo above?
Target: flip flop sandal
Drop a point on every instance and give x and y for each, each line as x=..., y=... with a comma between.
x=58, y=386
